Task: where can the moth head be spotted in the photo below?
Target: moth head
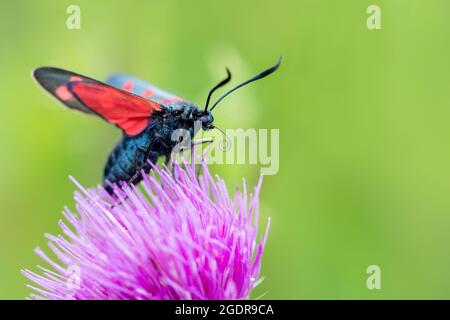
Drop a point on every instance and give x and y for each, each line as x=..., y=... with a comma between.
x=207, y=120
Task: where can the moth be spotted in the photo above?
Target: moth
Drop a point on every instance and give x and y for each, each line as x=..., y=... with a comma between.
x=146, y=114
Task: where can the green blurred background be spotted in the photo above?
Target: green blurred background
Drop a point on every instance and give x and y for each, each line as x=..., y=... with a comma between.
x=364, y=119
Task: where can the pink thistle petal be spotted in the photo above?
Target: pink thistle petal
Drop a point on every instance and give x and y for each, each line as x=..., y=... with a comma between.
x=176, y=237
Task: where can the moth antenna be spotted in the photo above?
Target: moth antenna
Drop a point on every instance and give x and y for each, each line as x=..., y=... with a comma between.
x=220, y=84
x=260, y=75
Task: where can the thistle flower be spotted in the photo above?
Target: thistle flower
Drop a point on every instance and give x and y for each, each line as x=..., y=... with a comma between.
x=178, y=237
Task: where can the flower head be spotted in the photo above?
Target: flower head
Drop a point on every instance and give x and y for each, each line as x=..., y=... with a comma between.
x=177, y=237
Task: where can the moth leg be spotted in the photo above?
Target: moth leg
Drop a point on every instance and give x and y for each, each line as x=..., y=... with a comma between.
x=146, y=152
x=183, y=148
x=197, y=142
x=201, y=141
x=193, y=144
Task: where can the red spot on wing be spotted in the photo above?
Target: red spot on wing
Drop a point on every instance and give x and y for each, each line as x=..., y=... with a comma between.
x=129, y=112
x=128, y=86
x=148, y=93
x=75, y=78
x=63, y=93
x=171, y=100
